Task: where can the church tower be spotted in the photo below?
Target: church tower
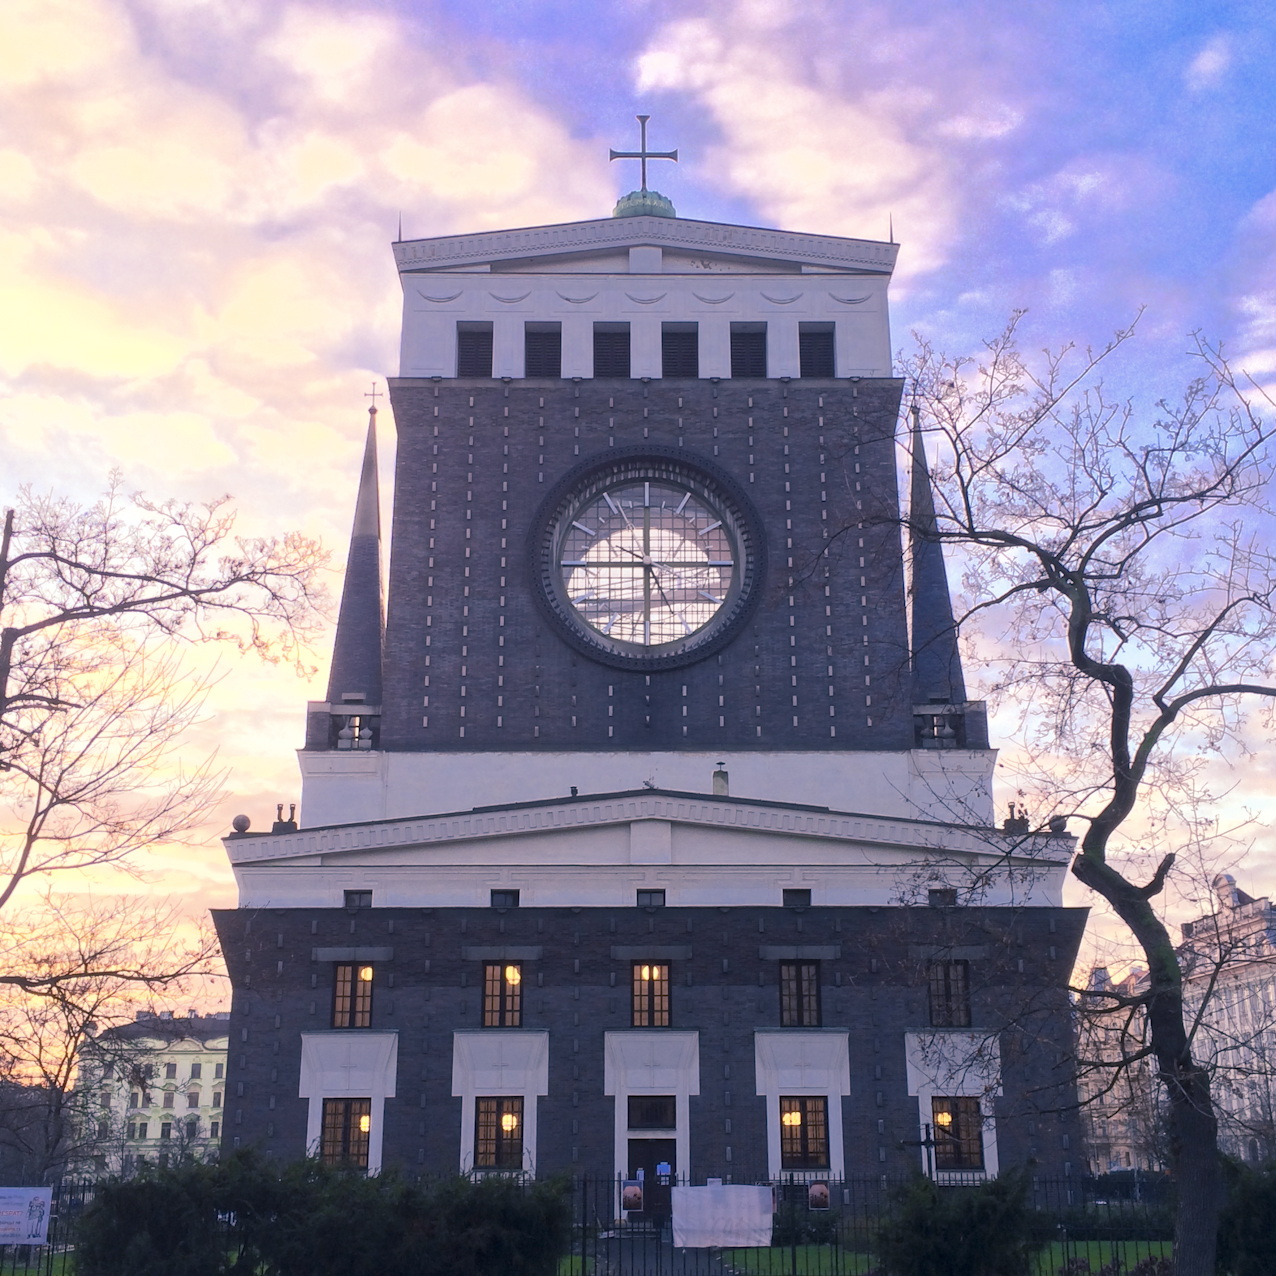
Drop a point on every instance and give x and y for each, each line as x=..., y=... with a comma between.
x=654, y=806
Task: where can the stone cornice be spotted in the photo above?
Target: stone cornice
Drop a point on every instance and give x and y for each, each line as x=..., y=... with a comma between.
x=631, y=232
x=748, y=816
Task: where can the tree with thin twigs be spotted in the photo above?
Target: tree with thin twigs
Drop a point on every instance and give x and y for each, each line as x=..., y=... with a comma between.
x=1125, y=555
x=97, y=601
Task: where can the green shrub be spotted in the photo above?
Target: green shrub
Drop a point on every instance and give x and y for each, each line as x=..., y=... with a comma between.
x=251, y=1217
x=961, y=1231
x=1246, y=1231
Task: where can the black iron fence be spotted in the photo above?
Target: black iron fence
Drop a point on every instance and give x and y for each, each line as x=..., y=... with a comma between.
x=54, y=1258
x=829, y=1227
x=818, y=1227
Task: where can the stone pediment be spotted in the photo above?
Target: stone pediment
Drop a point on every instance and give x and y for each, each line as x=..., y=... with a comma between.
x=689, y=238
x=457, y=836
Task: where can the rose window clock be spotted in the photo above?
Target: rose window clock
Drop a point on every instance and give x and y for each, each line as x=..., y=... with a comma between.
x=650, y=559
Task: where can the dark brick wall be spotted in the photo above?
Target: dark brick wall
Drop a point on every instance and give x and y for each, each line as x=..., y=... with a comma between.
x=877, y=989
x=476, y=458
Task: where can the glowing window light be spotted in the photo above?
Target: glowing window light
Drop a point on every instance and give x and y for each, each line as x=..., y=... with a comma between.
x=365, y=1124
x=646, y=974
x=513, y=976
x=509, y=1122
x=791, y=1118
x=944, y=1118
x=365, y=974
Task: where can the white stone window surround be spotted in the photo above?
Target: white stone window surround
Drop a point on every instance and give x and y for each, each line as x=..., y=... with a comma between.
x=803, y=1062
x=490, y=1062
x=349, y=1064
x=642, y=1061
x=955, y=1064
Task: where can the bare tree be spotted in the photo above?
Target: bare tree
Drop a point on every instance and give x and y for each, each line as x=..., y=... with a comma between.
x=1124, y=556
x=73, y=971
x=95, y=602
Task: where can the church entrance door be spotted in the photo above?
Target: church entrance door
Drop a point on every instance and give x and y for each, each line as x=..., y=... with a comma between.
x=649, y=1156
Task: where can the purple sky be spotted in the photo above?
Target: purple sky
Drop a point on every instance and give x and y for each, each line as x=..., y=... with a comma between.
x=196, y=199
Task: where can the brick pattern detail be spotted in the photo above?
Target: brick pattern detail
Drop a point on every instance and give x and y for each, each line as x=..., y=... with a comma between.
x=876, y=989
x=476, y=458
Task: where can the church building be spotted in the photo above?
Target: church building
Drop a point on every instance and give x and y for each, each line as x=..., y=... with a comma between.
x=646, y=825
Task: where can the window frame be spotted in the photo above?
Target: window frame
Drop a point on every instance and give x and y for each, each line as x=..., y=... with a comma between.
x=648, y=1125
x=495, y=1148
x=343, y=1142
x=949, y=996
x=352, y=995
x=504, y=898
x=475, y=349
x=650, y=1006
x=357, y=899
x=795, y=897
x=804, y=1157
x=502, y=997
x=962, y=1151
x=802, y=1006
x=650, y=900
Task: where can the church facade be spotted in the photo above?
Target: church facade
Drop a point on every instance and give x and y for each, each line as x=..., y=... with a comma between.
x=646, y=824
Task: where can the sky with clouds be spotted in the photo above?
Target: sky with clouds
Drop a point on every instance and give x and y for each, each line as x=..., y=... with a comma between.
x=197, y=199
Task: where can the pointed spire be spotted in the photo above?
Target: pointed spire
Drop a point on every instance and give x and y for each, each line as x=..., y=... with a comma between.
x=356, y=650
x=937, y=674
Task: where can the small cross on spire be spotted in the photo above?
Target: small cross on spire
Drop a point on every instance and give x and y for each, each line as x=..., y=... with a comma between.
x=643, y=153
x=373, y=394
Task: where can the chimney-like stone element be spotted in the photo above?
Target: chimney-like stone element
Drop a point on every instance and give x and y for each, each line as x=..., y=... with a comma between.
x=357, y=648
x=937, y=674
x=721, y=782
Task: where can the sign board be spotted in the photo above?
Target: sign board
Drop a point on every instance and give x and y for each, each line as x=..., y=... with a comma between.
x=24, y=1215
x=817, y=1196
x=631, y=1194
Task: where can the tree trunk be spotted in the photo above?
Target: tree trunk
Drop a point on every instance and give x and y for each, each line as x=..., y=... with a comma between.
x=1194, y=1153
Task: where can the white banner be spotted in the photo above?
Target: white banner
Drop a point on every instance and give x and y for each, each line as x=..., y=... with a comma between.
x=24, y=1215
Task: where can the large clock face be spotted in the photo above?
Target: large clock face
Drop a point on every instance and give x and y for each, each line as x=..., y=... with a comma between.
x=648, y=560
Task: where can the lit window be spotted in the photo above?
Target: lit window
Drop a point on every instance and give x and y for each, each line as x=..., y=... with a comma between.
x=346, y=1127
x=804, y=1133
x=502, y=995
x=358, y=899
x=651, y=899
x=498, y=1133
x=800, y=994
x=950, y=994
x=651, y=995
x=959, y=1133
x=352, y=997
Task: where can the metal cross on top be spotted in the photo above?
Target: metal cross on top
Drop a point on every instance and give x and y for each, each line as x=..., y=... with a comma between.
x=643, y=153
x=373, y=394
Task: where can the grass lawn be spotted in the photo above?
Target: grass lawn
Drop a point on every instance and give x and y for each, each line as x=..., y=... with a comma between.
x=63, y=1265
x=812, y=1260
x=575, y=1265
x=1099, y=1253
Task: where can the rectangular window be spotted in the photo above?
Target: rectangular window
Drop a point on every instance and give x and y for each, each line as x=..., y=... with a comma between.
x=651, y=995
x=352, y=997
x=192, y=1099
x=800, y=994
x=168, y=1098
x=346, y=1127
x=141, y=1129
x=815, y=350
x=358, y=899
x=942, y=897
x=543, y=350
x=680, y=350
x=197, y=1070
x=611, y=350
x=192, y=1128
x=498, y=1133
x=950, y=994
x=797, y=899
x=170, y=1071
x=748, y=350
x=132, y=1129
x=474, y=350
x=219, y=1069
x=653, y=1111
x=505, y=899
x=502, y=995
x=214, y=1129
x=166, y=1130
x=959, y=1133
x=804, y=1133
x=217, y=1098
x=651, y=899
x=133, y=1099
